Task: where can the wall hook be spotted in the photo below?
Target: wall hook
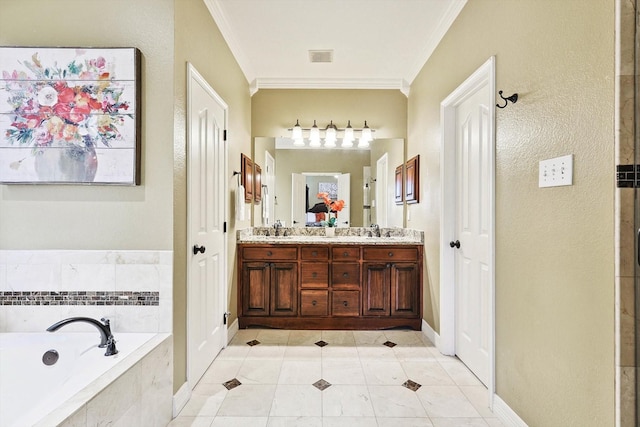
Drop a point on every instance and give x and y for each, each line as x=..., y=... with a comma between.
x=513, y=98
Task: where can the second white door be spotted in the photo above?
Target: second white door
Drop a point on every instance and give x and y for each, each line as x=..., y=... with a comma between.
x=206, y=190
x=473, y=228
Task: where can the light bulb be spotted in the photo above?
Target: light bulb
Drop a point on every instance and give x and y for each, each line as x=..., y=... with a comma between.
x=296, y=132
x=314, y=136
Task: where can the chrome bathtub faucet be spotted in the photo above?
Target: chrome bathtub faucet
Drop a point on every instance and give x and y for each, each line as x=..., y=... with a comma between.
x=106, y=337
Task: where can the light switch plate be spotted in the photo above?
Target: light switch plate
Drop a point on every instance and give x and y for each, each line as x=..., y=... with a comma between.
x=556, y=172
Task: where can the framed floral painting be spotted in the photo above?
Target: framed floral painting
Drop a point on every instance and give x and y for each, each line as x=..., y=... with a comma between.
x=69, y=115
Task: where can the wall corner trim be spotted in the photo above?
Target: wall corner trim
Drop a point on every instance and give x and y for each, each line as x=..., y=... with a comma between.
x=505, y=414
x=428, y=332
x=232, y=330
x=181, y=398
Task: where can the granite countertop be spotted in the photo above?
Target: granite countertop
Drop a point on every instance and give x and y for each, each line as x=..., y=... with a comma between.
x=344, y=236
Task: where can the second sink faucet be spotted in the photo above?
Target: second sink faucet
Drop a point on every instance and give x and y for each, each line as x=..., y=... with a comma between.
x=376, y=229
x=277, y=225
x=106, y=337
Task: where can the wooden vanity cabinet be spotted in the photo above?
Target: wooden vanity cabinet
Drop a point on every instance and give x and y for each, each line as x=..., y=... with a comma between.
x=270, y=281
x=329, y=286
x=390, y=278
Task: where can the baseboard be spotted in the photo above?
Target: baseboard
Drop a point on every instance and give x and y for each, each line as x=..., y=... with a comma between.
x=428, y=332
x=505, y=414
x=232, y=330
x=181, y=398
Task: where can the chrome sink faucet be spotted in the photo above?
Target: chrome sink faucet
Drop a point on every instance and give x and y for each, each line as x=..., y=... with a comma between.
x=277, y=225
x=376, y=229
x=106, y=337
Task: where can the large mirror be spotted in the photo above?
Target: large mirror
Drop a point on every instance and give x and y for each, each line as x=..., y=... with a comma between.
x=364, y=178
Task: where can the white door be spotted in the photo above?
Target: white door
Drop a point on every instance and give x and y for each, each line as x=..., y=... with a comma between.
x=206, y=191
x=298, y=200
x=472, y=231
x=344, y=193
x=382, y=193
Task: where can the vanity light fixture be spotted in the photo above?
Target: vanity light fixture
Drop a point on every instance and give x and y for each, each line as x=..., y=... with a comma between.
x=296, y=134
x=331, y=135
x=314, y=136
x=347, y=140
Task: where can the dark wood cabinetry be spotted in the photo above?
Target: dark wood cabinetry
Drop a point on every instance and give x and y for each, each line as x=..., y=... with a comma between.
x=329, y=286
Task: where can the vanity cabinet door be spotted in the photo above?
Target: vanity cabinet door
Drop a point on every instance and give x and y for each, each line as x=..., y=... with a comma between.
x=405, y=292
x=256, y=279
x=376, y=289
x=284, y=289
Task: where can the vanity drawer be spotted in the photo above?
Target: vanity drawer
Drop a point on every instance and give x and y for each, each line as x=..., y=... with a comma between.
x=265, y=253
x=319, y=253
x=345, y=275
x=391, y=254
x=346, y=253
x=345, y=303
x=314, y=303
x=314, y=274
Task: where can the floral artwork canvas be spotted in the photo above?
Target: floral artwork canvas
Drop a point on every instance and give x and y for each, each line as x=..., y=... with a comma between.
x=69, y=115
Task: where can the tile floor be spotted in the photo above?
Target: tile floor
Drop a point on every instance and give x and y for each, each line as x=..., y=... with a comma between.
x=276, y=378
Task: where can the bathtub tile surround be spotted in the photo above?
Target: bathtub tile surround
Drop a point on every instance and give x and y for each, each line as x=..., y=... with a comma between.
x=140, y=396
x=131, y=288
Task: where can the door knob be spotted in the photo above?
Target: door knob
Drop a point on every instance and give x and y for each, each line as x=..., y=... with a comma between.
x=296, y=222
x=197, y=249
x=455, y=244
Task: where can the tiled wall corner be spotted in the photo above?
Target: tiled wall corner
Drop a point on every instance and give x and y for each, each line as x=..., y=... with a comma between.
x=625, y=205
x=625, y=322
x=131, y=288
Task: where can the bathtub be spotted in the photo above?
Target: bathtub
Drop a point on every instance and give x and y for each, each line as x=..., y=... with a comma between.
x=68, y=392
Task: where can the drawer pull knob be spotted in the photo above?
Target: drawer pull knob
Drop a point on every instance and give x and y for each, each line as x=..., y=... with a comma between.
x=345, y=274
x=314, y=302
x=346, y=304
x=314, y=253
x=390, y=254
x=314, y=274
x=345, y=254
x=269, y=253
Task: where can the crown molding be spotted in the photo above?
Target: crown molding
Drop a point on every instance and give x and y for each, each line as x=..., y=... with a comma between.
x=452, y=12
x=222, y=22
x=328, y=83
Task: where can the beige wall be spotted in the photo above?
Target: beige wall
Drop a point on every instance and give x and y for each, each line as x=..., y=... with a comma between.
x=99, y=217
x=198, y=41
x=554, y=247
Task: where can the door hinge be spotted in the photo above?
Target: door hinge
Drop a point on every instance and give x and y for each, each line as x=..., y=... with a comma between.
x=224, y=135
x=224, y=227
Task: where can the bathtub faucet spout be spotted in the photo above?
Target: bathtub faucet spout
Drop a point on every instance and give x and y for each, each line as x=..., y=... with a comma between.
x=106, y=337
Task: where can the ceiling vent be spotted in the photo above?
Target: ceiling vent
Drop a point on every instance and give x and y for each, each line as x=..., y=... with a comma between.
x=321, y=56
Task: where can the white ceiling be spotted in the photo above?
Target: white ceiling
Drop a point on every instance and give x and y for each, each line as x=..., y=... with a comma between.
x=377, y=44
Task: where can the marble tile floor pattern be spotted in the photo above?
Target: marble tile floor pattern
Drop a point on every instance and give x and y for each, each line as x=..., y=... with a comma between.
x=278, y=378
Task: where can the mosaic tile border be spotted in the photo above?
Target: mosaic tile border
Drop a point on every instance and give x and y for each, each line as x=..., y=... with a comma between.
x=628, y=176
x=131, y=298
